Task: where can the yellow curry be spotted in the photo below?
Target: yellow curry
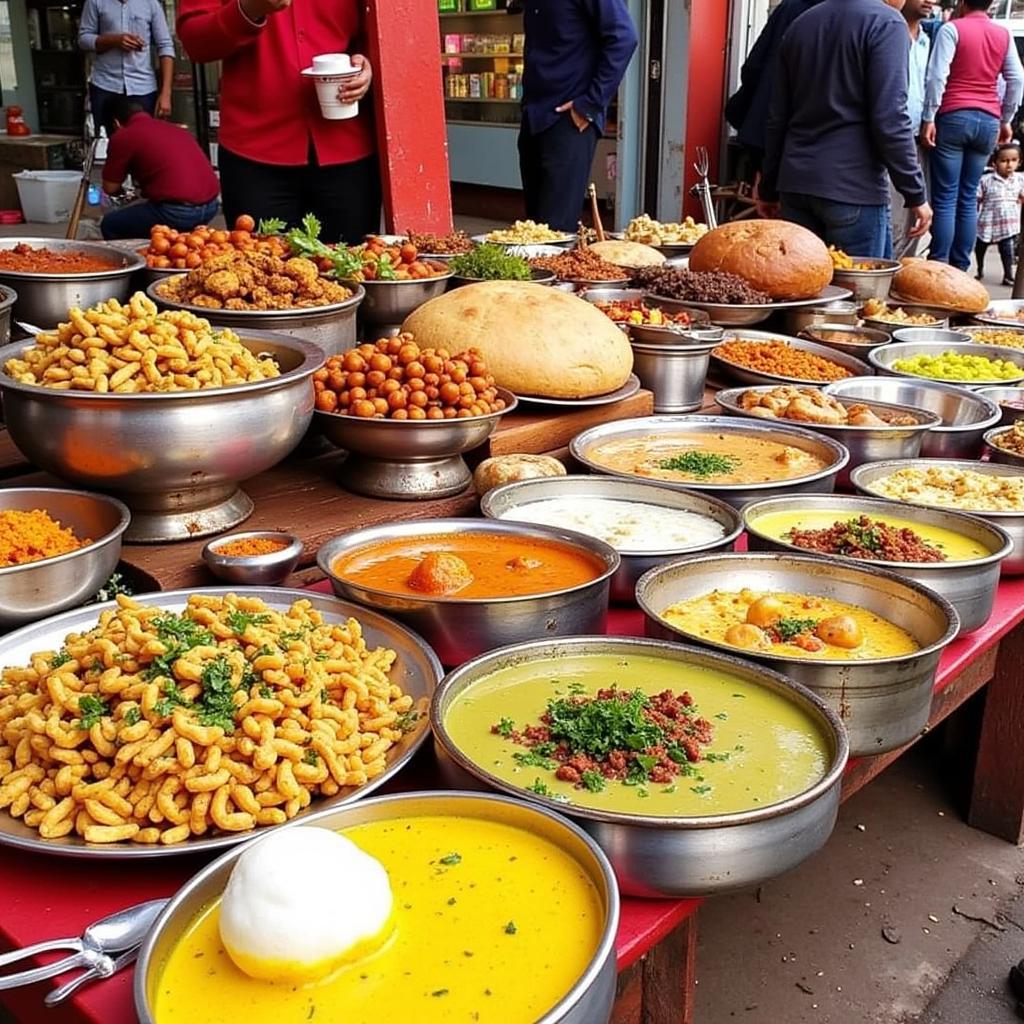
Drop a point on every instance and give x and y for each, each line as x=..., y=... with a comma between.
x=706, y=458
x=790, y=626
x=492, y=924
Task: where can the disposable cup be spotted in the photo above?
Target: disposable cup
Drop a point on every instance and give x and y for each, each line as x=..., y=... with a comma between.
x=328, y=71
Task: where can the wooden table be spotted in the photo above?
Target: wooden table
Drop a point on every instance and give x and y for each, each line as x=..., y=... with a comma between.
x=43, y=897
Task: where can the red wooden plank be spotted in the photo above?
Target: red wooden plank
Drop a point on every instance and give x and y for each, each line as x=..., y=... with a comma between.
x=404, y=43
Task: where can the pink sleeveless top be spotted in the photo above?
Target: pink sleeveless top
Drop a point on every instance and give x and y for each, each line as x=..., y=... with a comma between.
x=980, y=51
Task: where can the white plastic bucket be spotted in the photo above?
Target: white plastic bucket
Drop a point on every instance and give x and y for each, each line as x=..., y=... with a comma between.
x=47, y=197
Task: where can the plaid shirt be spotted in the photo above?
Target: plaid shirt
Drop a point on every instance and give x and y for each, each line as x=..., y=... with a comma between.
x=999, y=215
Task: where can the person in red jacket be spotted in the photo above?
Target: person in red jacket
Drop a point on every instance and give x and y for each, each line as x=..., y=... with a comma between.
x=277, y=156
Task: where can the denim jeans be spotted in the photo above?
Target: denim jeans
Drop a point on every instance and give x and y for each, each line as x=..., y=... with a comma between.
x=857, y=229
x=964, y=140
x=135, y=221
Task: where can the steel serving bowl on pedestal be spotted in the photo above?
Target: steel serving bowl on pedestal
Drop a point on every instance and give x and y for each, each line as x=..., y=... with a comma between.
x=408, y=459
x=969, y=584
x=661, y=856
x=44, y=299
x=175, y=458
x=883, y=702
x=870, y=282
x=388, y=303
x=461, y=628
x=331, y=328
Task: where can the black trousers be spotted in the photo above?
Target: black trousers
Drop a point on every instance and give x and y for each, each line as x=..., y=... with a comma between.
x=555, y=167
x=1006, y=253
x=345, y=197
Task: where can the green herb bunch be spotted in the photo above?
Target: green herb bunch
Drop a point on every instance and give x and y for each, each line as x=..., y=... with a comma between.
x=491, y=263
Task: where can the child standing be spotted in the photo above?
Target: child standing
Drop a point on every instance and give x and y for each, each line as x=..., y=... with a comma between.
x=999, y=197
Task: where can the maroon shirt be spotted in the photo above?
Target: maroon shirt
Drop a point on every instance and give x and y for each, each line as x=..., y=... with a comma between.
x=164, y=160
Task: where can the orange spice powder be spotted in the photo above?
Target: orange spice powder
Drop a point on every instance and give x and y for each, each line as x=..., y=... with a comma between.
x=246, y=547
x=27, y=536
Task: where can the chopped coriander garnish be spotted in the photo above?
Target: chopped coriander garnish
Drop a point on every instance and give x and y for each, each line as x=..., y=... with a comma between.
x=440, y=992
x=91, y=709
x=217, y=702
x=311, y=757
x=700, y=790
x=722, y=716
x=510, y=928
x=60, y=658
x=539, y=788
x=532, y=759
x=451, y=859
x=239, y=622
x=594, y=781
x=712, y=756
x=132, y=715
x=266, y=692
x=788, y=629
x=505, y=727
x=700, y=464
x=406, y=721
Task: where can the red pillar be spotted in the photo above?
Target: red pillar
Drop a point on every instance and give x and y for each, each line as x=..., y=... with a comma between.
x=404, y=45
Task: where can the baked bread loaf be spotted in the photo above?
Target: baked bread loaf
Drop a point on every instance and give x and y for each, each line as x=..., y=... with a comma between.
x=534, y=340
x=627, y=254
x=773, y=256
x=938, y=284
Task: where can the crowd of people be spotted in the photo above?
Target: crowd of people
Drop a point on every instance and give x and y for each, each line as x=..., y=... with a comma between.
x=874, y=122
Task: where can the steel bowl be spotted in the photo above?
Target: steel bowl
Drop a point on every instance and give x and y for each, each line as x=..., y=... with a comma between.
x=1001, y=456
x=34, y=590
x=842, y=312
x=507, y=502
x=589, y=1001
x=585, y=284
x=1007, y=414
x=969, y=586
x=939, y=314
x=331, y=328
x=984, y=335
x=388, y=303
x=864, y=479
x=883, y=359
x=44, y=299
x=965, y=415
x=174, y=458
x=740, y=315
x=883, y=702
x=8, y=298
x=865, y=444
x=848, y=338
x=931, y=335
x=675, y=374
x=1003, y=313
x=461, y=628
x=743, y=375
x=537, y=276
x=867, y=284
x=700, y=329
x=658, y=856
x=821, y=482
x=408, y=459
x=253, y=570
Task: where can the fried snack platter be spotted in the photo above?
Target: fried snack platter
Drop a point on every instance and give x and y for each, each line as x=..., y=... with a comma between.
x=415, y=671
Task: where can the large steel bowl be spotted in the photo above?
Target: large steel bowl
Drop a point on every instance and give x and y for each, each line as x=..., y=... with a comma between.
x=741, y=315
x=883, y=702
x=35, y=590
x=1003, y=313
x=864, y=479
x=461, y=628
x=1013, y=336
x=174, y=458
x=388, y=303
x=1008, y=414
x=744, y=375
x=44, y=299
x=700, y=328
x=999, y=455
x=865, y=444
x=331, y=328
x=848, y=338
x=794, y=321
x=883, y=359
x=670, y=857
x=938, y=315
x=969, y=585
x=867, y=284
x=507, y=502
x=408, y=459
x=822, y=481
x=589, y=1001
x=965, y=414
x=934, y=335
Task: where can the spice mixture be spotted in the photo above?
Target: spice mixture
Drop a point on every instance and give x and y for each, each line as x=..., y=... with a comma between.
x=25, y=259
x=870, y=539
x=27, y=536
x=247, y=547
x=580, y=265
x=690, y=286
x=778, y=358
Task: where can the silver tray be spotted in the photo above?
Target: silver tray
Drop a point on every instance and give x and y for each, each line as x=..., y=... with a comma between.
x=630, y=388
x=730, y=314
x=417, y=671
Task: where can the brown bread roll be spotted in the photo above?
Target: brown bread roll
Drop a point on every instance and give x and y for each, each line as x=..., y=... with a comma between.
x=939, y=284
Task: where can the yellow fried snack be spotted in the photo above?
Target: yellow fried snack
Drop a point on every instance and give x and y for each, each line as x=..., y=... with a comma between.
x=133, y=348
x=155, y=726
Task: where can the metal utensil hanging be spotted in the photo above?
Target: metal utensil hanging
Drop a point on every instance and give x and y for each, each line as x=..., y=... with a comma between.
x=702, y=189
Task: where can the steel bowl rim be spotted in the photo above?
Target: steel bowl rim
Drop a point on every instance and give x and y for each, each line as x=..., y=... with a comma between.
x=452, y=525
x=891, y=266
x=761, y=506
x=313, y=357
x=650, y=645
x=832, y=355
x=952, y=616
x=285, y=315
x=844, y=329
x=726, y=398
x=124, y=518
x=449, y=273
x=774, y=304
x=877, y=358
x=727, y=511
x=133, y=262
x=840, y=452
x=619, y=283
x=537, y=276
x=213, y=557
x=989, y=439
x=966, y=338
x=893, y=465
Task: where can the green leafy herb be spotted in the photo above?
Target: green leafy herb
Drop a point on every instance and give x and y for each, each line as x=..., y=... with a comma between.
x=700, y=464
x=676, y=753
x=505, y=727
x=311, y=757
x=133, y=715
x=266, y=692
x=289, y=636
x=90, y=710
x=60, y=658
x=305, y=241
x=597, y=727
x=114, y=586
x=217, y=703
x=669, y=789
x=491, y=263
x=270, y=226
x=451, y=860
x=594, y=781
x=239, y=622
x=700, y=790
x=385, y=271
x=406, y=721
x=172, y=698
x=179, y=635
x=531, y=759
x=713, y=757
x=539, y=788
x=510, y=928
x=722, y=716
x=440, y=992
x=545, y=749
x=788, y=629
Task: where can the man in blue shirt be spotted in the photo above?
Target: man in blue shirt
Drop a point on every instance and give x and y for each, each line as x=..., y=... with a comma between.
x=122, y=35
x=576, y=54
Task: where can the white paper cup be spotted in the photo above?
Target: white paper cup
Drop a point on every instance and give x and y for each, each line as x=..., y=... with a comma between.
x=329, y=71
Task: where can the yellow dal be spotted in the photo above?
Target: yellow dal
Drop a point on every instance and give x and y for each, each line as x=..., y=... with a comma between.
x=775, y=749
x=710, y=615
x=758, y=461
x=450, y=959
x=955, y=546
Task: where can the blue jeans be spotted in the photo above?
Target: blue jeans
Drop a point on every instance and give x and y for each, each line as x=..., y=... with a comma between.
x=135, y=221
x=964, y=140
x=857, y=229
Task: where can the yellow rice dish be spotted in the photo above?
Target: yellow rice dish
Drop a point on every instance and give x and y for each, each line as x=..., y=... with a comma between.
x=965, y=489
